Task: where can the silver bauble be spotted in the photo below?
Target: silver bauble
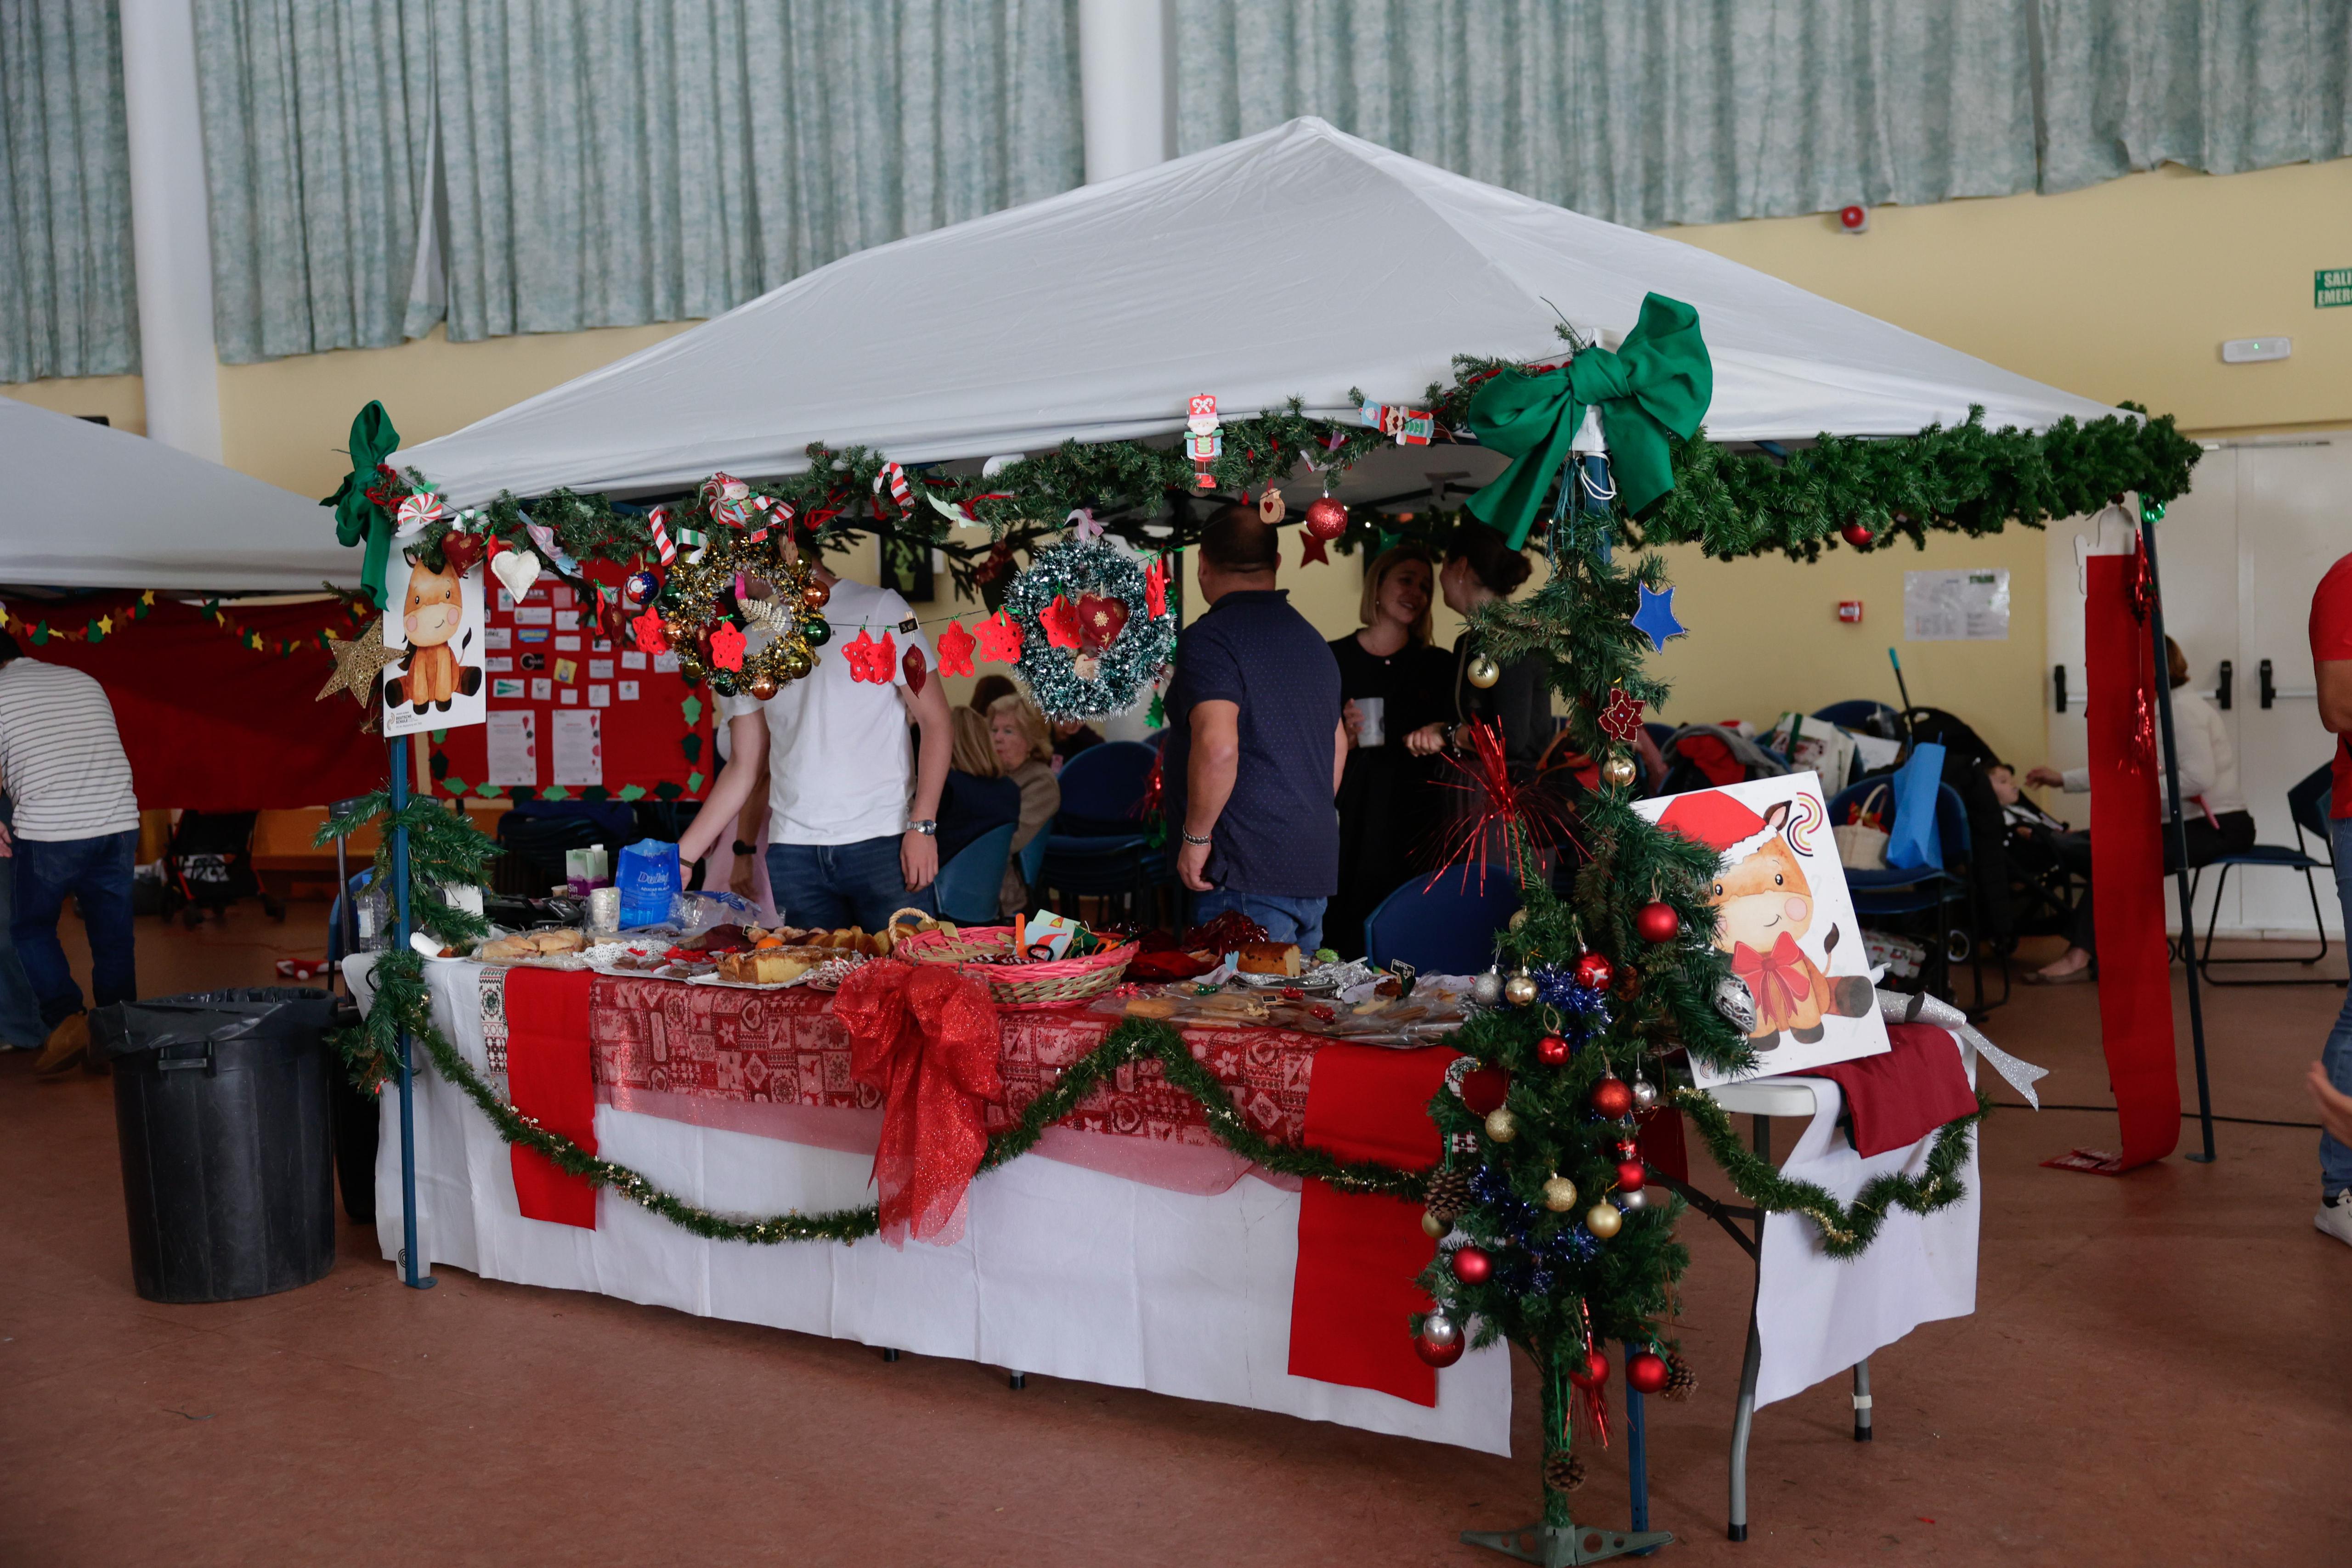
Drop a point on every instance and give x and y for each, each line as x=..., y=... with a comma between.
x=1734, y=1001
x=1637, y=1198
x=1487, y=989
x=1439, y=1329
x=1645, y=1094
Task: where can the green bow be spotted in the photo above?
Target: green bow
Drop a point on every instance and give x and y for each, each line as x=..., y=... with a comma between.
x=1659, y=381
x=357, y=517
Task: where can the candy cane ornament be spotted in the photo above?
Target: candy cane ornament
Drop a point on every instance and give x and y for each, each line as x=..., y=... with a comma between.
x=658, y=522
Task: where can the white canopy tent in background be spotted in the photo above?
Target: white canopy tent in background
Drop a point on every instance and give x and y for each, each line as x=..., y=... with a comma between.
x=1300, y=262
x=88, y=506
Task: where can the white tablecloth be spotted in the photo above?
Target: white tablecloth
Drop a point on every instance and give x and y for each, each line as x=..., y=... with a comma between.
x=1061, y=1270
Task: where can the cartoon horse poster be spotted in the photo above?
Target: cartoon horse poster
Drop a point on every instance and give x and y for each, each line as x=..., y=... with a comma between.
x=434, y=630
x=1784, y=916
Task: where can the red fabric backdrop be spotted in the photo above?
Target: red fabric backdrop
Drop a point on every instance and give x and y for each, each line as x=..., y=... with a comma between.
x=210, y=725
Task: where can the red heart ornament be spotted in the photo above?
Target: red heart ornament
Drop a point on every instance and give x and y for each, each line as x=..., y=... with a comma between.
x=1101, y=619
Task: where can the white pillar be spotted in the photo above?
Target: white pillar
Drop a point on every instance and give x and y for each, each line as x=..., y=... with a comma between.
x=1127, y=63
x=168, y=225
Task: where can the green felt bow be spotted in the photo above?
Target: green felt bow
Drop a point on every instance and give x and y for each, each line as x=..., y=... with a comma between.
x=1658, y=382
x=356, y=517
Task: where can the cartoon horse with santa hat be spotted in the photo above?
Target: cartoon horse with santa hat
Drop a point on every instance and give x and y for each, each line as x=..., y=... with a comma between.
x=1764, y=908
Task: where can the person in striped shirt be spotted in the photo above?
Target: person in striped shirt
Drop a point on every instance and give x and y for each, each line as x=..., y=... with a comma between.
x=75, y=836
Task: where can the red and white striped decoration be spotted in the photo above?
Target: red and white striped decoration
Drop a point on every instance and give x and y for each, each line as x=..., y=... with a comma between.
x=896, y=478
x=658, y=521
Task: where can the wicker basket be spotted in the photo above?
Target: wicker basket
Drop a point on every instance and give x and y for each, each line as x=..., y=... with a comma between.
x=982, y=951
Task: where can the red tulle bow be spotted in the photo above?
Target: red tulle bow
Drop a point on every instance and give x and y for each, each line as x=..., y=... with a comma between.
x=927, y=1037
x=1777, y=980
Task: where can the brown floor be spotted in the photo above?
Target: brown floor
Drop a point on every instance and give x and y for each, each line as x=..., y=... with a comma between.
x=2155, y=1374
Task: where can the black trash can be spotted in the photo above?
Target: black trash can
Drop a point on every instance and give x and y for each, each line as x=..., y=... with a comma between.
x=221, y=1102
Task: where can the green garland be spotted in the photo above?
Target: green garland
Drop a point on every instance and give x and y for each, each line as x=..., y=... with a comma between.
x=1056, y=678
x=1847, y=1229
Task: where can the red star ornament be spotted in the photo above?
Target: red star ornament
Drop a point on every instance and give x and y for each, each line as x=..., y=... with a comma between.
x=1621, y=715
x=1000, y=639
x=727, y=646
x=650, y=633
x=1060, y=620
x=859, y=651
x=1155, y=588
x=1310, y=549
x=955, y=650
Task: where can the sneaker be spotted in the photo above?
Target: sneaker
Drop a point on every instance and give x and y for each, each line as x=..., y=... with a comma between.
x=69, y=1043
x=2334, y=1216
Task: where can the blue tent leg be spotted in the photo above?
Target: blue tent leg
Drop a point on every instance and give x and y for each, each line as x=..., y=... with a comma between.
x=409, y=1274
x=1637, y=1452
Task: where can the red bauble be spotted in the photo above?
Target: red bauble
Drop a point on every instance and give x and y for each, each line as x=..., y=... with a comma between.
x=1657, y=922
x=1646, y=1372
x=1326, y=520
x=1859, y=537
x=1483, y=1089
x=1592, y=1371
x=1630, y=1175
x=1447, y=1352
x=1551, y=1051
x=1611, y=1098
x=1595, y=971
x=1472, y=1266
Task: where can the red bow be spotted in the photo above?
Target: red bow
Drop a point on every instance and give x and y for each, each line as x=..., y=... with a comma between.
x=927, y=1037
x=1777, y=980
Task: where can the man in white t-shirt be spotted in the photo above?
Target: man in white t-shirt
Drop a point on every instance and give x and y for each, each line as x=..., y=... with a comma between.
x=844, y=844
x=76, y=835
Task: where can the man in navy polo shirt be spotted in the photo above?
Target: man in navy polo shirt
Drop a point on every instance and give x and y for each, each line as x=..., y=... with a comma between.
x=1255, y=742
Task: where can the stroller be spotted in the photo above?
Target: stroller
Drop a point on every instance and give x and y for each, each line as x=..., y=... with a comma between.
x=209, y=866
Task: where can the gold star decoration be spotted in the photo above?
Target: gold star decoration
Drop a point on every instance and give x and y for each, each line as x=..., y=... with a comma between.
x=106, y=625
x=358, y=663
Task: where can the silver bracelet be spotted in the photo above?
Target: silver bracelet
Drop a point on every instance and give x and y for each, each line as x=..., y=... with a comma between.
x=1197, y=840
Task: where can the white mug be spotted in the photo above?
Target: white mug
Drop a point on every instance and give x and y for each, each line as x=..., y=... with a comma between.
x=1371, y=732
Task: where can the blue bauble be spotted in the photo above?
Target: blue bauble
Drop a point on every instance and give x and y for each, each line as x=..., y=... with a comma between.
x=641, y=588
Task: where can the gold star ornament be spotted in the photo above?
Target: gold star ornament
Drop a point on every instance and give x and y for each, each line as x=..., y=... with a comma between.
x=359, y=660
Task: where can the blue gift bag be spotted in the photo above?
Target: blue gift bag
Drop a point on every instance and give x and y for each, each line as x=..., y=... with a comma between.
x=1912, y=843
x=648, y=879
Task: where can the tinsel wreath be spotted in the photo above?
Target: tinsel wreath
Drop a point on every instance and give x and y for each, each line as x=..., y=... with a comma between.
x=1075, y=672
x=731, y=537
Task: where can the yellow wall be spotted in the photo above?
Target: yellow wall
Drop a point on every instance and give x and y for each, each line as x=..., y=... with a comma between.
x=2124, y=290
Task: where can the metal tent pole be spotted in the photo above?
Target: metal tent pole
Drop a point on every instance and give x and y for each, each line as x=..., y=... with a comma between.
x=2149, y=513
x=409, y=1273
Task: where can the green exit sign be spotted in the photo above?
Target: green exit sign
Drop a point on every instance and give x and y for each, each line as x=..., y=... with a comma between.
x=2331, y=286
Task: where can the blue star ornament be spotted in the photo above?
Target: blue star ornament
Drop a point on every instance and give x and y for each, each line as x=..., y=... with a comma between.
x=1656, y=618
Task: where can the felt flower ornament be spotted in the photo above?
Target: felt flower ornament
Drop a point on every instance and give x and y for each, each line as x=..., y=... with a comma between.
x=727, y=646
x=1000, y=639
x=955, y=650
x=650, y=635
x=1060, y=620
x=1155, y=588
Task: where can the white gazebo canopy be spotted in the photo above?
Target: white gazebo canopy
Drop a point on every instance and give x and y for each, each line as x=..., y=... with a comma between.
x=88, y=506
x=1300, y=262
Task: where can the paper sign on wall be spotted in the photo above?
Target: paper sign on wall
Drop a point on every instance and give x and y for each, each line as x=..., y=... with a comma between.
x=512, y=739
x=1963, y=606
x=579, y=748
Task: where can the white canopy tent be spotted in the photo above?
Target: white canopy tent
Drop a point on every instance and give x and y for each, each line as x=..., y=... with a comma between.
x=88, y=506
x=1300, y=262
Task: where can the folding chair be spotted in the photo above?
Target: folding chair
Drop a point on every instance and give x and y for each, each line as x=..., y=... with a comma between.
x=968, y=887
x=1446, y=925
x=2307, y=806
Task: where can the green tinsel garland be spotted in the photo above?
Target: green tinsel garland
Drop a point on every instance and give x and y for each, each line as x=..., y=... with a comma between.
x=403, y=1004
x=1847, y=1229
x=1134, y=658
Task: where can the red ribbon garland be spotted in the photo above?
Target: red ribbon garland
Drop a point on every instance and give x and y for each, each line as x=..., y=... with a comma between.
x=927, y=1037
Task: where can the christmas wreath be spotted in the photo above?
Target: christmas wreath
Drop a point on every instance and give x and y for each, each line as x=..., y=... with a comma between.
x=1095, y=628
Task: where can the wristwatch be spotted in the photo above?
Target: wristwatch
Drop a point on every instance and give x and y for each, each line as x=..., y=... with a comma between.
x=743, y=848
x=928, y=827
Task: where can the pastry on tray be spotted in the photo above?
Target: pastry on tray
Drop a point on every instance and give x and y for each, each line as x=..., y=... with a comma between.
x=533, y=944
x=771, y=966
x=1271, y=958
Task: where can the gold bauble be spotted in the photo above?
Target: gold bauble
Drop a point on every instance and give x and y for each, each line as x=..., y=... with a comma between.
x=1484, y=672
x=1603, y=1220
x=676, y=631
x=816, y=595
x=1518, y=919
x=1560, y=1195
x=1519, y=990
x=794, y=662
x=1432, y=1226
x=1501, y=1125
x=762, y=686
x=690, y=667
x=1618, y=770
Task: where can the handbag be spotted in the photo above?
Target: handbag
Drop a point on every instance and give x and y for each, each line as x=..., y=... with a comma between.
x=1911, y=843
x=1862, y=842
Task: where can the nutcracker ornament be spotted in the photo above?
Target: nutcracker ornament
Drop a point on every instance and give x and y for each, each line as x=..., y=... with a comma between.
x=1204, y=442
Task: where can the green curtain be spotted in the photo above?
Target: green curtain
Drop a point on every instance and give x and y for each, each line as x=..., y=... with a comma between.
x=68, y=295
x=1684, y=112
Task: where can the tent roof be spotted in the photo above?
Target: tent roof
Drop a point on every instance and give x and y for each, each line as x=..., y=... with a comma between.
x=1298, y=262
x=88, y=506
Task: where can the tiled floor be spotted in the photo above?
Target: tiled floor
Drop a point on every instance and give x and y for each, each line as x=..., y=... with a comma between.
x=2155, y=1374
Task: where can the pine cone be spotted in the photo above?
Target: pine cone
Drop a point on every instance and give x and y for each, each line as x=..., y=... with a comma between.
x=1448, y=1192
x=1681, y=1381
x=1563, y=1471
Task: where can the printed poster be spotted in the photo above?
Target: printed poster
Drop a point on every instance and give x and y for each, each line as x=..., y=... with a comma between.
x=1785, y=917
x=1963, y=606
x=435, y=632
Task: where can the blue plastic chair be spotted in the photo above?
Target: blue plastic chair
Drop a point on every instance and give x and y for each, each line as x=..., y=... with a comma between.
x=1444, y=927
x=1032, y=859
x=968, y=887
x=1098, y=847
x=1919, y=890
x=2307, y=806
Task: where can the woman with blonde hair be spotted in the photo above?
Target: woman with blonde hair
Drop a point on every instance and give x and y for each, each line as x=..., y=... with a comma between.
x=977, y=797
x=1393, y=683
x=1025, y=751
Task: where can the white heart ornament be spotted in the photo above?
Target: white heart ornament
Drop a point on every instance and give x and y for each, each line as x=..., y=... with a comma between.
x=518, y=570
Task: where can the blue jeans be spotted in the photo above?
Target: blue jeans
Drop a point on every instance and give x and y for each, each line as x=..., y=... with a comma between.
x=835, y=886
x=2335, y=1159
x=20, y=1009
x=98, y=871
x=1298, y=920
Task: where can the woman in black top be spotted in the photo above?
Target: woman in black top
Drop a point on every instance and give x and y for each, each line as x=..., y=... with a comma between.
x=1393, y=684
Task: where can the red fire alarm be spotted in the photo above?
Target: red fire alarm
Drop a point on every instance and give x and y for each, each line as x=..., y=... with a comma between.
x=1854, y=219
x=1850, y=612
